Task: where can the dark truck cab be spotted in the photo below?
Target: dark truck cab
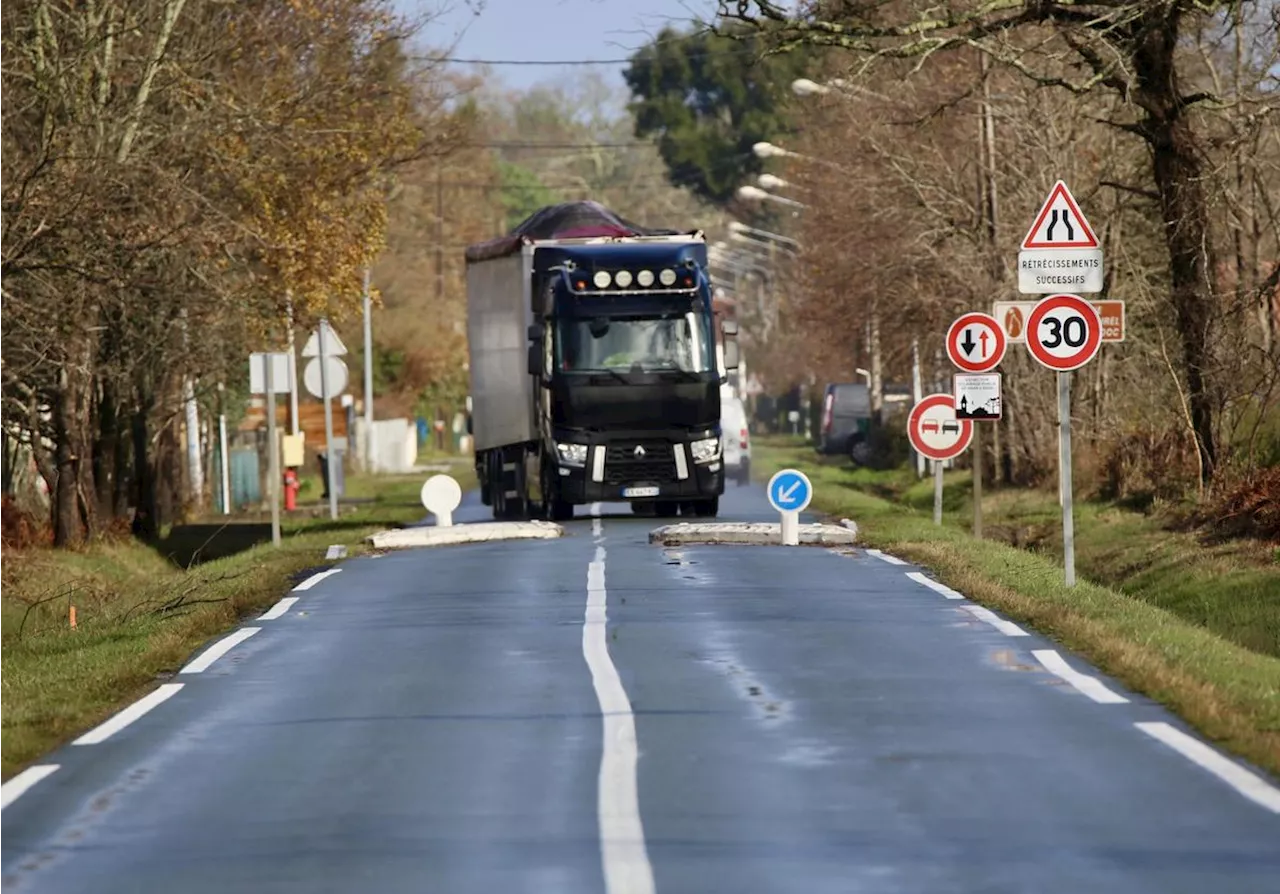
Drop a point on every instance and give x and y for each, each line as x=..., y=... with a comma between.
x=620, y=392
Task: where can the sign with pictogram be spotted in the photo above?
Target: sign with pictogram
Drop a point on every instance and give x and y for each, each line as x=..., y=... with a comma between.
x=1064, y=332
x=977, y=396
x=1060, y=251
x=934, y=430
x=976, y=343
x=1012, y=317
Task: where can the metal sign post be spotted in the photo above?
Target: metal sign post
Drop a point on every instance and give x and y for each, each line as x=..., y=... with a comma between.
x=1064, y=476
x=328, y=419
x=935, y=432
x=1064, y=333
x=273, y=455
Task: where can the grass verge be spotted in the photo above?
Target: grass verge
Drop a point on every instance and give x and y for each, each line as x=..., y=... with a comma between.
x=139, y=616
x=1192, y=627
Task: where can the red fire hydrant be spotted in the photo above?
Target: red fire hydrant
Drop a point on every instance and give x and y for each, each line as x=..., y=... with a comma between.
x=290, y=489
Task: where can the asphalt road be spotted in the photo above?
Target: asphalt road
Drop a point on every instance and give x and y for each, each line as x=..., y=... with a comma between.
x=597, y=714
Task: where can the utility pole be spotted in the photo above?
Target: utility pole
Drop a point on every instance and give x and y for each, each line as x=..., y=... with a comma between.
x=440, y=234
x=222, y=450
x=368, y=374
x=294, y=423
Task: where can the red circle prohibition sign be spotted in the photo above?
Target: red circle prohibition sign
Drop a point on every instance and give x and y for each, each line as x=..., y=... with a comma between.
x=985, y=324
x=935, y=432
x=1070, y=335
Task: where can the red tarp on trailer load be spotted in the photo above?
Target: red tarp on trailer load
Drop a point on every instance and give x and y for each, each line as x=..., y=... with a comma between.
x=569, y=220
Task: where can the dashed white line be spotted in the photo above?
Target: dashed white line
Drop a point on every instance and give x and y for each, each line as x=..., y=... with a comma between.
x=594, y=510
x=885, y=557
x=16, y=787
x=315, y=579
x=1085, y=684
x=1008, y=628
x=202, y=662
x=919, y=578
x=623, y=853
x=278, y=609
x=1252, y=786
x=113, y=725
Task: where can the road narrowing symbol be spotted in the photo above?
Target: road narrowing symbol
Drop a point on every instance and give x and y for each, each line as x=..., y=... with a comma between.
x=934, y=430
x=976, y=342
x=1060, y=251
x=1060, y=223
x=790, y=491
x=1064, y=332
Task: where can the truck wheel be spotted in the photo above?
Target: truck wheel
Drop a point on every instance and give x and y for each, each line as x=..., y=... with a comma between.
x=704, y=508
x=514, y=486
x=497, y=492
x=666, y=509
x=553, y=508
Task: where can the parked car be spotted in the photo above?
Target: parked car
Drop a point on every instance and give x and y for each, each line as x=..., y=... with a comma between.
x=737, y=440
x=846, y=422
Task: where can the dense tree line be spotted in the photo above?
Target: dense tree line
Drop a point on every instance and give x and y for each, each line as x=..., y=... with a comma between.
x=179, y=180
x=940, y=132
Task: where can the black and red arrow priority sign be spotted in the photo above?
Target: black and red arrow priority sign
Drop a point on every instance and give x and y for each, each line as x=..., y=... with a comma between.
x=976, y=342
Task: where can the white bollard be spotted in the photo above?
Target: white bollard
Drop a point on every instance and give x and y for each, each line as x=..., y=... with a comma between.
x=441, y=494
x=790, y=528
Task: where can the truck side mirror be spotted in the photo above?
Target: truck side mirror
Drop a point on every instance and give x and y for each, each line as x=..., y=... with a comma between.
x=729, y=328
x=535, y=359
x=536, y=332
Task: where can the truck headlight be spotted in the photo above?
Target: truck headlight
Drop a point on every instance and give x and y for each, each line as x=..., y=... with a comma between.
x=572, y=454
x=706, y=450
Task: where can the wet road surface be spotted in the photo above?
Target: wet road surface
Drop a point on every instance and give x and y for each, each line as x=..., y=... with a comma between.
x=599, y=714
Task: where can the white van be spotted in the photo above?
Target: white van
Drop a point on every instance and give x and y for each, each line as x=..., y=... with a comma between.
x=737, y=441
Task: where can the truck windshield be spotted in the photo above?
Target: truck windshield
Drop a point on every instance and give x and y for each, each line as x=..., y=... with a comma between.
x=671, y=341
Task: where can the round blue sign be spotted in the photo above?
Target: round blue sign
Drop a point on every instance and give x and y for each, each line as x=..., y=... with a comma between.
x=790, y=491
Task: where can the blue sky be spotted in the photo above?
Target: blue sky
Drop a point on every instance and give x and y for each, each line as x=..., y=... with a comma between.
x=548, y=30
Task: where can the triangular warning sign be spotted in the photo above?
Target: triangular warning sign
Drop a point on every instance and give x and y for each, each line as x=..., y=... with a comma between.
x=1060, y=223
x=333, y=345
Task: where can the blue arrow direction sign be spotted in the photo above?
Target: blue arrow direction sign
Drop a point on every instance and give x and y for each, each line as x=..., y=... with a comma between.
x=790, y=491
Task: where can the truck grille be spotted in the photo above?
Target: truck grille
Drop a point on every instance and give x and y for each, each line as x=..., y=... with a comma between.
x=622, y=466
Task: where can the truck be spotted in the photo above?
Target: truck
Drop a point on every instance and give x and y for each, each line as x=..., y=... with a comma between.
x=596, y=362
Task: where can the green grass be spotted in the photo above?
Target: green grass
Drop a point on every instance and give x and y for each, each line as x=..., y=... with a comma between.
x=140, y=616
x=1191, y=625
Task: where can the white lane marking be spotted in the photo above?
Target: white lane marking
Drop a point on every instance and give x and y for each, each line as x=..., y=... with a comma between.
x=597, y=527
x=1008, y=628
x=919, y=578
x=16, y=787
x=623, y=853
x=113, y=725
x=1085, y=684
x=1252, y=786
x=315, y=579
x=278, y=609
x=885, y=557
x=200, y=664
x=594, y=510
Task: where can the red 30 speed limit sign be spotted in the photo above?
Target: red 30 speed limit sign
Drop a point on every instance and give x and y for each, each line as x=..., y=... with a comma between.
x=1064, y=332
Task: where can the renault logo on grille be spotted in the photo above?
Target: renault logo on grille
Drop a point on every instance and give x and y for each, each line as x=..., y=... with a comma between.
x=639, y=452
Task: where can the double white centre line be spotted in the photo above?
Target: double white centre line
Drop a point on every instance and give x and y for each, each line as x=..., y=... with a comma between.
x=623, y=853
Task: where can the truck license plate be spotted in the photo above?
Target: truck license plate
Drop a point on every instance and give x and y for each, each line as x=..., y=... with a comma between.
x=639, y=491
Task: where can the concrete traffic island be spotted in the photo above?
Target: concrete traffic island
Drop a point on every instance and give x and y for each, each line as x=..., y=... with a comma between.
x=441, y=495
x=758, y=533
x=480, y=532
